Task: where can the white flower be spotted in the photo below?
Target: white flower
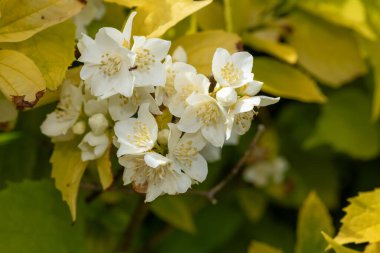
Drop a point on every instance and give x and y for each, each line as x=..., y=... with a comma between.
x=107, y=63
x=227, y=96
x=59, y=122
x=121, y=107
x=184, y=152
x=186, y=84
x=232, y=70
x=265, y=172
x=136, y=136
x=164, y=94
x=205, y=114
x=98, y=123
x=154, y=175
x=179, y=55
x=94, y=10
x=93, y=146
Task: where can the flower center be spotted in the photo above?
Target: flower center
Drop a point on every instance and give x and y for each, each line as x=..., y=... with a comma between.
x=144, y=59
x=184, y=152
x=65, y=108
x=230, y=73
x=208, y=113
x=110, y=65
x=141, y=136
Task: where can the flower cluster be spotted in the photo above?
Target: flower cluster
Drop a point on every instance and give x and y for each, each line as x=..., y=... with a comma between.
x=158, y=111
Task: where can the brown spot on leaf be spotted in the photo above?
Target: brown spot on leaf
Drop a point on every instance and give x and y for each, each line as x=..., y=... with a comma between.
x=21, y=103
x=42, y=17
x=83, y=1
x=240, y=46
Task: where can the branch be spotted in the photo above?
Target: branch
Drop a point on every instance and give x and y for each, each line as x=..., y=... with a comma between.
x=210, y=194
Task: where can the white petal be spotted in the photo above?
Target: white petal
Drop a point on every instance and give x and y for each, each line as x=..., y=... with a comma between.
x=243, y=61
x=127, y=31
x=154, y=160
x=252, y=88
x=179, y=55
x=219, y=60
x=226, y=96
x=214, y=134
x=155, y=76
x=174, y=136
x=189, y=123
x=265, y=101
x=246, y=104
x=198, y=170
x=211, y=153
x=158, y=47
x=146, y=117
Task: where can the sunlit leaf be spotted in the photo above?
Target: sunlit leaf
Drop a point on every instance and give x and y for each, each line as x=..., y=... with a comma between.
x=35, y=220
x=22, y=19
x=20, y=79
x=283, y=80
x=372, y=248
x=259, y=247
x=154, y=18
x=52, y=50
x=312, y=220
x=345, y=124
x=349, y=13
x=68, y=169
x=200, y=47
x=327, y=51
x=104, y=167
x=336, y=246
x=174, y=211
x=211, y=17
x=362, y=220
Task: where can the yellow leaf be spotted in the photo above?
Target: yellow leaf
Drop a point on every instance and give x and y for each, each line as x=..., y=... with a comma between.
x=8, y=114
x=52, y=50
x=313, y=218
x=372, y=248
x=277, y=49
x=259, y=247
x=104, y=167
x=283, y=80
x=348, y=13
x=336, y=246
x=327, y=51
x=211, y=17
x=68, y=169
x=200, y=47
x=20, y=20
x=20, y=79
x=362, y=220
x=154, y=17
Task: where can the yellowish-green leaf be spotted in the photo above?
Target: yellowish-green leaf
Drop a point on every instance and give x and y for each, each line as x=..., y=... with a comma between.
x=277, y=49
x=104, y=167
x=345, y=124
x=20, y=20
x=372, y=248
x=336, y=246
x=348, y=13
x=327, y=51
x=52, y=50
x=174, y=211
x=283, y=80
x=154, y=17
x=8, y=113
x=20, y=79
x=313, y=218
x=362, y=220
x=164, y=119
x=200, y=47
x=68, y=169
x=259, y=247
x=253, y=203
x=211, y=17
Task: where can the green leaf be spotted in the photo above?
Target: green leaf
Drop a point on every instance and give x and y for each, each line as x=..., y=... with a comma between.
x=21, y=20
x=287, y=81
x=259, y=247
x=348, y=13
x=52, y=50
x=154, y=18
x=34, y=220
x=8, y=137
x=174, y=211
x=68, y=169
x=20, y=79
x=313, y=218
x=327, y=51
x=345, y=124
x=336, y=246
x=200, y=54
x=253, y=203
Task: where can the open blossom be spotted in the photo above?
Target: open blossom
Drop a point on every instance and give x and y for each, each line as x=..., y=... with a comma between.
x=93, y=146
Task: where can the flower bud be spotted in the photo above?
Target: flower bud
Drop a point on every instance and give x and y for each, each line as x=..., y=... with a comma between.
x=252, y=88
x=79, y=127
x=163, y=136
x=98, y=123
x=226, y=96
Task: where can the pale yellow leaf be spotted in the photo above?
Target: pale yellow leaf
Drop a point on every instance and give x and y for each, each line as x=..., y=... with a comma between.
x=67, y=170
x=313, y=218
x=154, y=17
x=104, y=167
x=336, y=246
x=20, y=79
x=52, y=50
x=23, y=18
x=329, y=52
x=200, y=47
x=259, y=247
x=362, y=220
x=283, y=80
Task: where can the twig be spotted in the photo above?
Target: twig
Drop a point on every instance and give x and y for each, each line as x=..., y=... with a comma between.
x=210, y=194
x=137, y=218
